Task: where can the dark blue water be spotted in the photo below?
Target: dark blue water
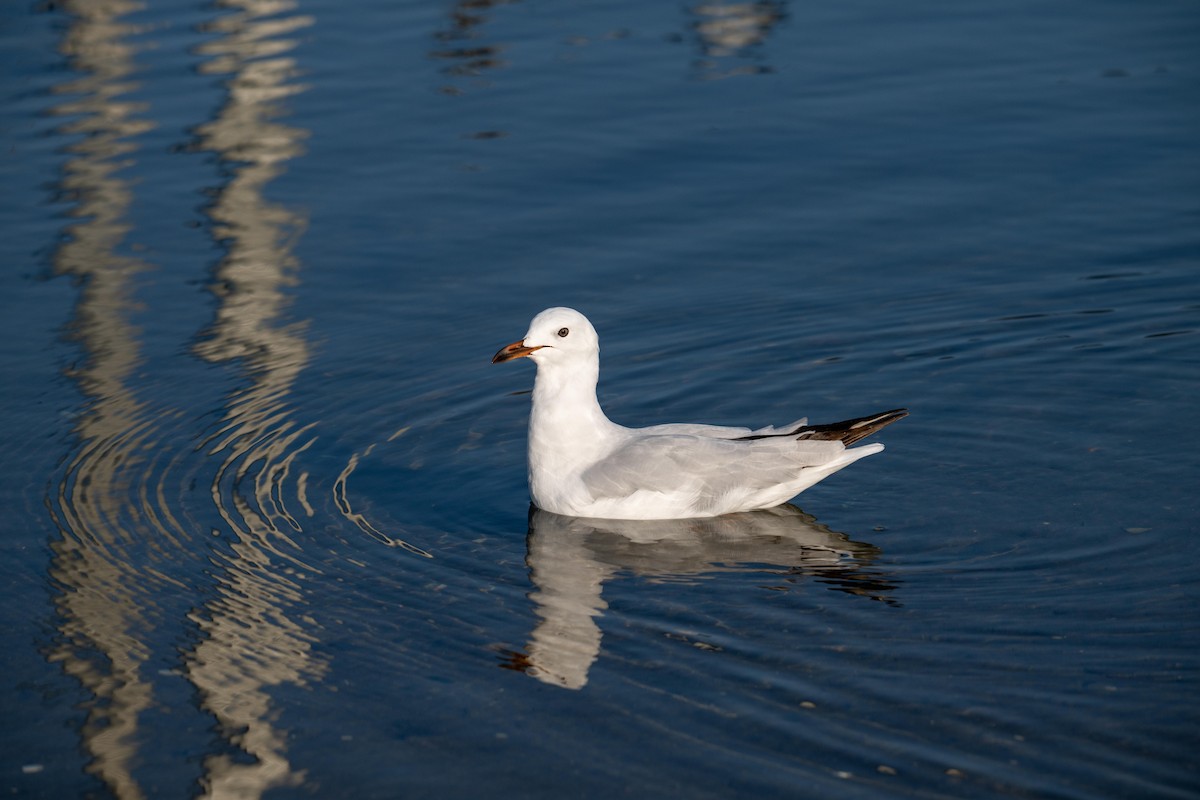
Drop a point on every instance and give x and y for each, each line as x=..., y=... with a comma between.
x=267, y=530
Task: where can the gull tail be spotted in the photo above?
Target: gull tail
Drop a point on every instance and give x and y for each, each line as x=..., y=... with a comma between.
x=847, y=432
x=851, y=430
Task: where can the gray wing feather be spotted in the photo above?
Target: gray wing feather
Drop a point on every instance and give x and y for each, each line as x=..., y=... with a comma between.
x=715, y=431
x=703, y=466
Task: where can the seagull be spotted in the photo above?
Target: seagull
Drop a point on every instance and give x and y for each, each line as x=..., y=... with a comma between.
x=581, y=464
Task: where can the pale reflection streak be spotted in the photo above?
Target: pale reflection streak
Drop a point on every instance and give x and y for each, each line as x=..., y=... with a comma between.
x=109, y=535
x=254, y=633
x=570, y=559
x=728, y=29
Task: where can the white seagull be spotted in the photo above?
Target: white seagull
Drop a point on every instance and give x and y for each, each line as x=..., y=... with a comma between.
x=581, y=464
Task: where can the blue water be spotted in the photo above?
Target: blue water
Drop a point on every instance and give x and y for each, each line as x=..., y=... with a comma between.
x=267, y=528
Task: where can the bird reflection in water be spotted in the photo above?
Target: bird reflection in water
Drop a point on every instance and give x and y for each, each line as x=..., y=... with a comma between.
x=570, y=559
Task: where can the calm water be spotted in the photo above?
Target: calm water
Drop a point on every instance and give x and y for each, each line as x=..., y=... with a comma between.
x=267, y=531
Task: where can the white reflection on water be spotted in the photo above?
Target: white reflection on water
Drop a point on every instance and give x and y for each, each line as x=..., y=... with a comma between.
x=255, y=633
x=570, y=559
x=110, y=534
x=731, y=29
x=119, y=538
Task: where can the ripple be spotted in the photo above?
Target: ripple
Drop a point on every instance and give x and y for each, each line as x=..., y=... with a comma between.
x=359, y=521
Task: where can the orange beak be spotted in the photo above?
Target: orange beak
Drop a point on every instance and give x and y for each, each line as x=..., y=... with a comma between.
x=514, y=350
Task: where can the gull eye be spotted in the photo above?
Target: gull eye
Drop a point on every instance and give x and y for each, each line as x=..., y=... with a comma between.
x=562, y=332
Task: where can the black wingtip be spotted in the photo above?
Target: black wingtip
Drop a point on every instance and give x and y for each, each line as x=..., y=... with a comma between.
x=852, y=430
x=847, y=431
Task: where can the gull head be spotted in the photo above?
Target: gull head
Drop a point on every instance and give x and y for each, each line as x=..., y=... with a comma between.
x=555, y=336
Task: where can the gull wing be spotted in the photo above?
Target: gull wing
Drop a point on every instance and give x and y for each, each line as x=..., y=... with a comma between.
x=716, y=431
x=702, y=467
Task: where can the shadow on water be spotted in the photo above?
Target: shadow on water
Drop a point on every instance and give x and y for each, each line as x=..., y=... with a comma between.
x=570, y=559
x=121, y=547
x=460, y=46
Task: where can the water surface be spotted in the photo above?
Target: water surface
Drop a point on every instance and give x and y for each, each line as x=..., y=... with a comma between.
x=268, y=531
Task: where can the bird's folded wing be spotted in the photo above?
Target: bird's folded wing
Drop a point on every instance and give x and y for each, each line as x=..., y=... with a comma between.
x=703, y=466
x=715, y=431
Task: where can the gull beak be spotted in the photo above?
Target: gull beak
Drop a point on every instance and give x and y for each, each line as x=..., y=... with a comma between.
x=514, y=350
